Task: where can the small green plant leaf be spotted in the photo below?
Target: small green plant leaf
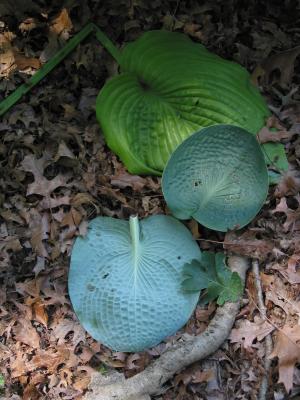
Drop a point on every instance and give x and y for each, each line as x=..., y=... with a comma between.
x=2, y=382
x=212, y=274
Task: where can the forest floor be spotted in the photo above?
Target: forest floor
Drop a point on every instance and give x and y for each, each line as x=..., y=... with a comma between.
x=56, y=173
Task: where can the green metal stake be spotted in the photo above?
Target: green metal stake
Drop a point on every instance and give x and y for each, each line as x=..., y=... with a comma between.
x=10, y=100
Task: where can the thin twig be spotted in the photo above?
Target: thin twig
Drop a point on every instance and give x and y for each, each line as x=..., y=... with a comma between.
x=268, y=340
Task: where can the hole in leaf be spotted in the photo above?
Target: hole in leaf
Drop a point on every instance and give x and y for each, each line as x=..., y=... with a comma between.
x=90, y=287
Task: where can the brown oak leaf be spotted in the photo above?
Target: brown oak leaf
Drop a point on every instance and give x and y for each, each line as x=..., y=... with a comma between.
x=284, y=62
x=291, y=273
x=248, y=331
x=41, y=185
x=24, y=332
x=247, y=244
x=51, y=359
x=287, y=349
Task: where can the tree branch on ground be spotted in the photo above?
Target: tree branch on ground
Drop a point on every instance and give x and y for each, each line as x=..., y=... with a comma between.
x=268, y=339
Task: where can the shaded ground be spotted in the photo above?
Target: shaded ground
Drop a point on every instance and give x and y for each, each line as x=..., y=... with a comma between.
x=56, y=173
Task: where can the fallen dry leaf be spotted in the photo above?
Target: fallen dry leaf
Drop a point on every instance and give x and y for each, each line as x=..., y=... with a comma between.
x=247, y=245
x=31, y=393
x=50, y=359
x=292, y=222
x=291, y=273
x=287, y=349
x=61, y=23
x=28, y=24
x=41, y=185
x=40, y=312
x=284, y=62
x=61, y=327
x=65, y=156
x=18, y=364
x=266, y=135
x=280, y=294
x=248, y=331
x=124, y=179
x=289, y=183
x=23, y=62
x=39, y=230
x=11, y=59
x=24, y=332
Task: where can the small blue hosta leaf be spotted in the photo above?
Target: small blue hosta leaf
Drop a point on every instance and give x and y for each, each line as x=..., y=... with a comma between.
x=217, y=176
x=125, y=280
x=212, y=274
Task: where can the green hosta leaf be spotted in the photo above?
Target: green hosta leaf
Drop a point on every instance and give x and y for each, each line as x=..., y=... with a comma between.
x=125, y=280
x=217, y=176
x=169, y=87
x=212, y=274
x=2, y=382
x=275, y=156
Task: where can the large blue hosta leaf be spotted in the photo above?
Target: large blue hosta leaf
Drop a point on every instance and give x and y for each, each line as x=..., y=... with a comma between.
x=125, y=280
x=169, y=87
x=217, y=176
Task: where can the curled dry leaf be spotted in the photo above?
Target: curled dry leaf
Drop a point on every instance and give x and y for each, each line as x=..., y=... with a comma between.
x=40, y=312
x=61, y=23
x=39, y=230
x=65, y=156
x=28, y=24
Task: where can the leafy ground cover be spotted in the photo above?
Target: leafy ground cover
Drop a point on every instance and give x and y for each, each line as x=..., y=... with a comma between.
x=56, y=173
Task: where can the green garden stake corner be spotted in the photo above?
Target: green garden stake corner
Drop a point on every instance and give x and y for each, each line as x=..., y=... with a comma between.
x=89, y=29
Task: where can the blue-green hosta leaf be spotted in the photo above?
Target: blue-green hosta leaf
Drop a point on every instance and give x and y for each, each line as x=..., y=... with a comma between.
x=169, y=87
x=212, y=274
x=217, y=176
x=125, y=280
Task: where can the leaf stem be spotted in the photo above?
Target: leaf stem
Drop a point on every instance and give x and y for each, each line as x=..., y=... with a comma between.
x=135, y=235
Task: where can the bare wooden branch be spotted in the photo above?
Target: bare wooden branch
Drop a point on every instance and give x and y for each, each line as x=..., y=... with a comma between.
x=180, y=355
x=263, y=389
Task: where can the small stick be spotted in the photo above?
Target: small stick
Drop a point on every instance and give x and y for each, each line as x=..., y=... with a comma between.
x=268, y=340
